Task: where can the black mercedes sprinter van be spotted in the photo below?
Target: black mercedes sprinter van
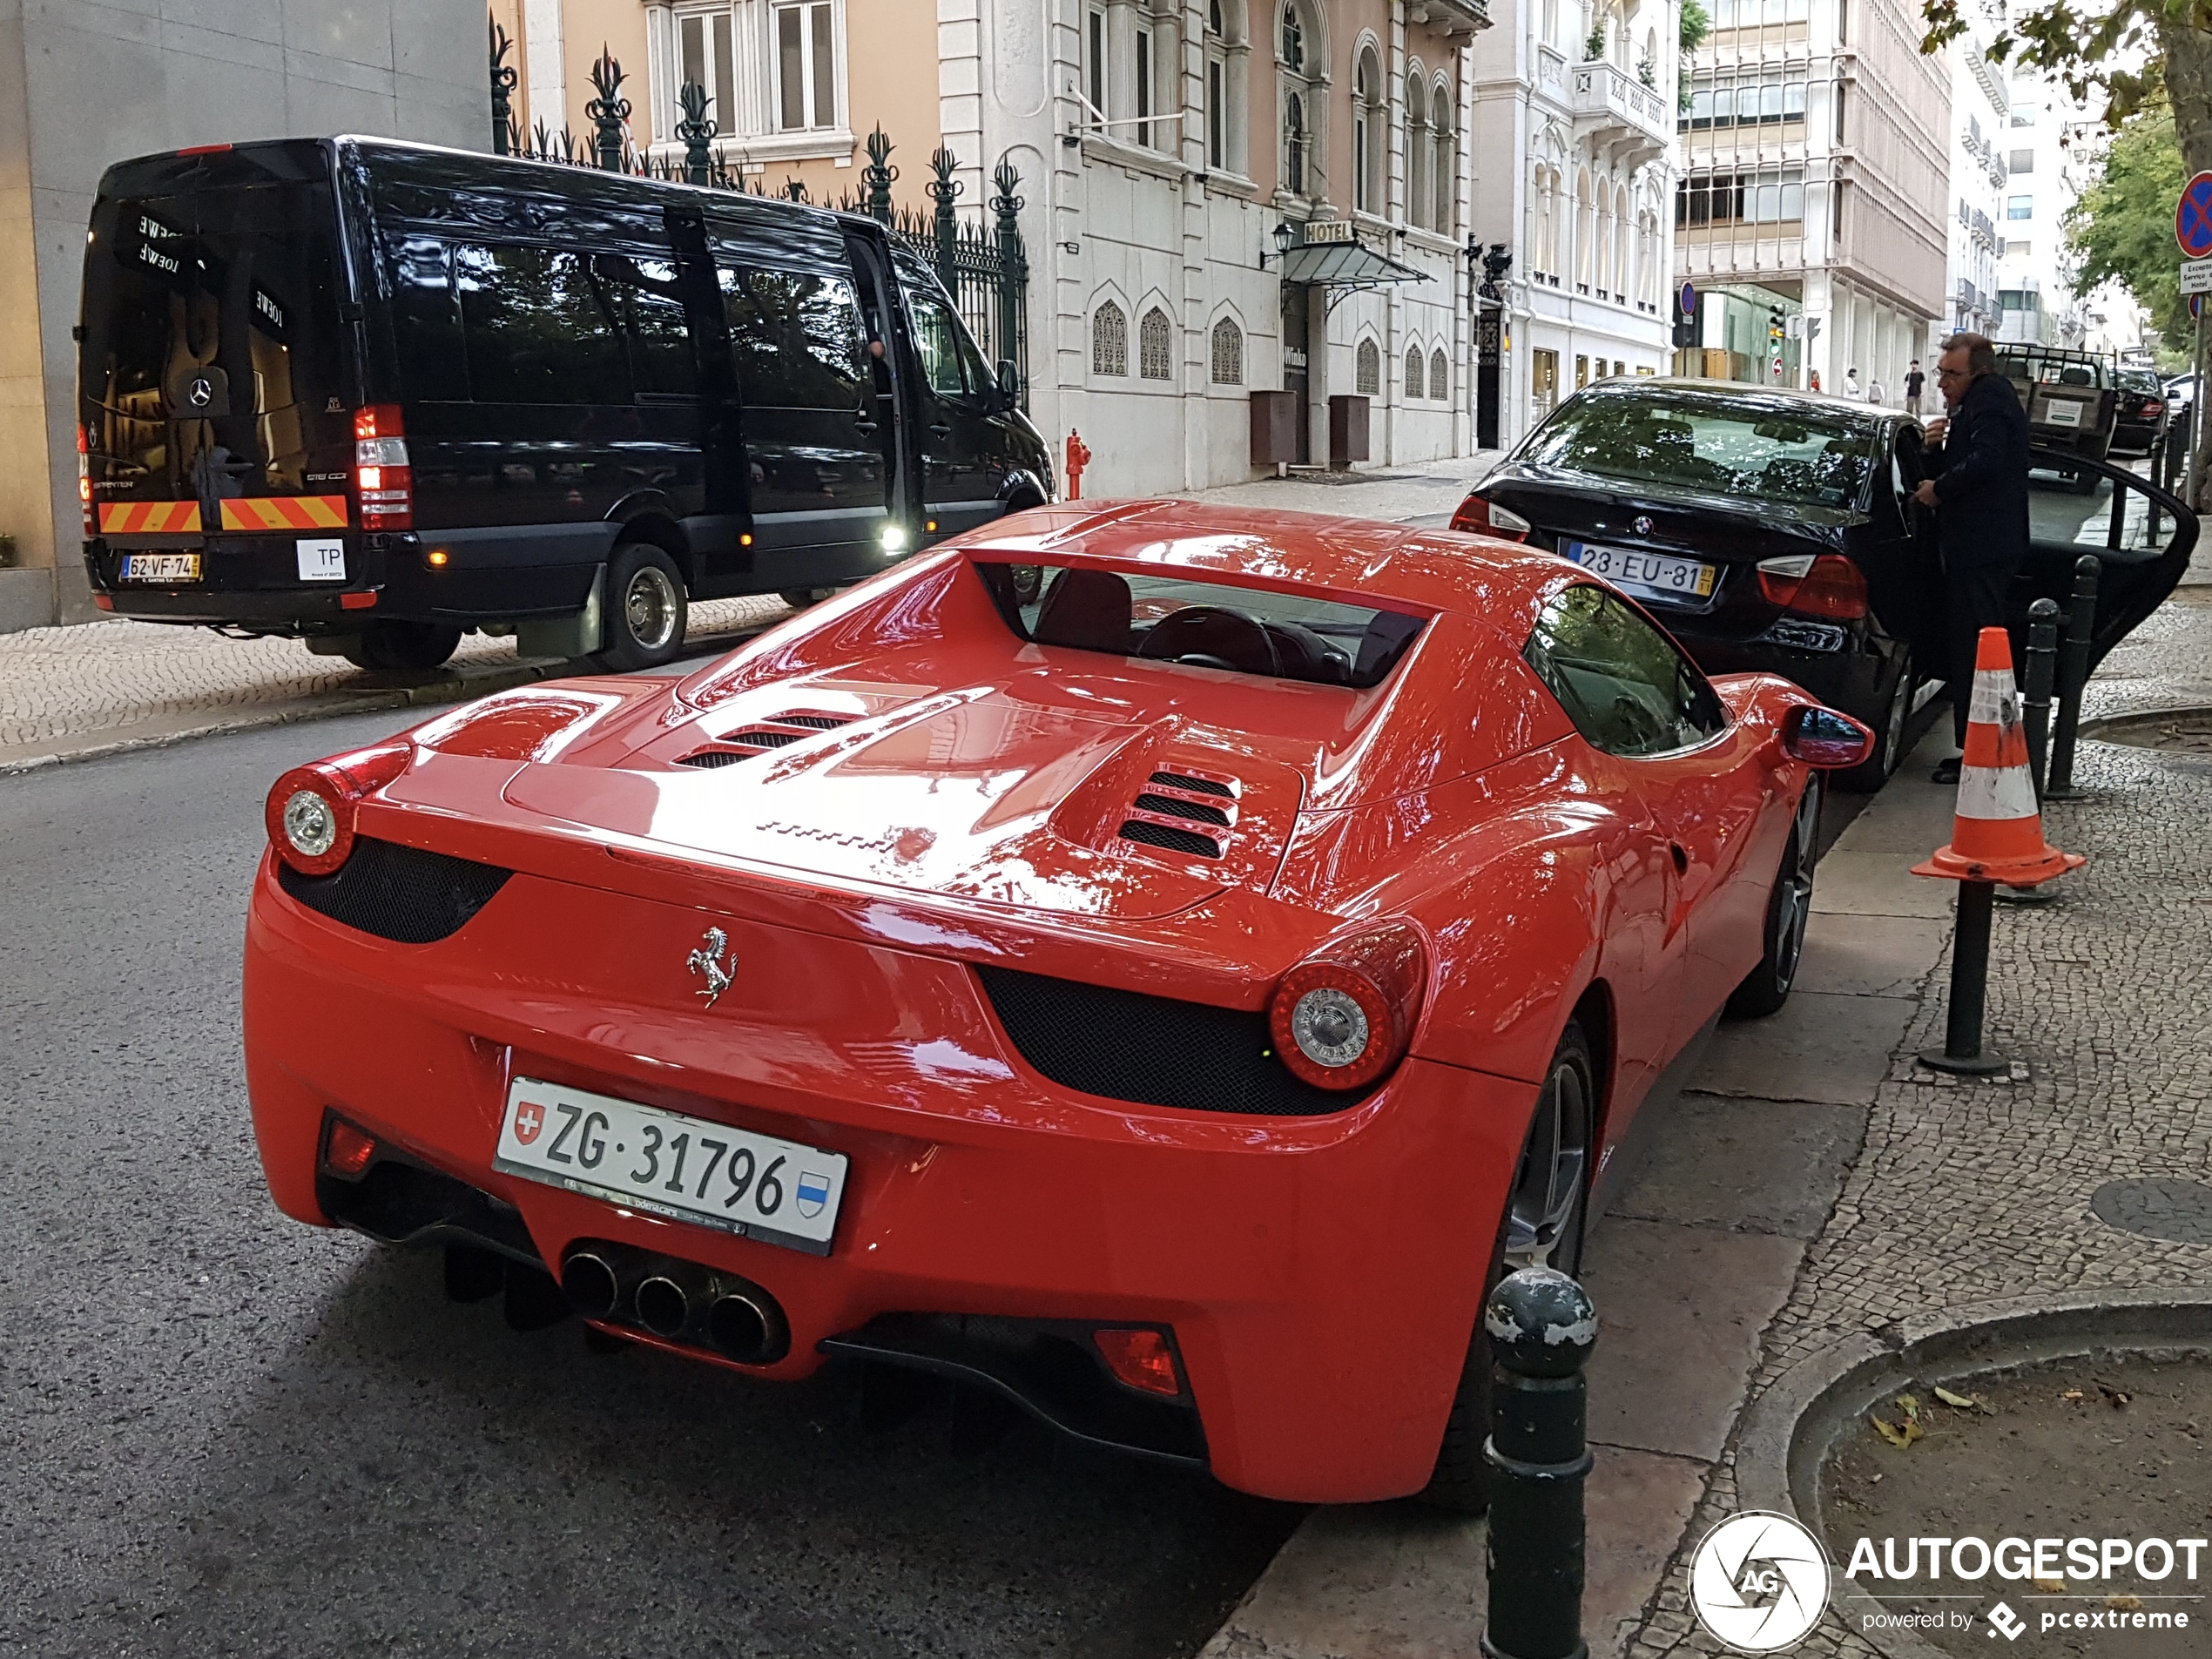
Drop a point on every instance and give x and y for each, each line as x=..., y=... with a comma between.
x=373, y=395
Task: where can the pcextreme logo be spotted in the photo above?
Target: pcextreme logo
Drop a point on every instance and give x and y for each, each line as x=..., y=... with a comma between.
x=1759, y=1582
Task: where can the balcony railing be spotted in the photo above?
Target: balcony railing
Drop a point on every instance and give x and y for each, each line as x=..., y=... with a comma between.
x=1612, y=107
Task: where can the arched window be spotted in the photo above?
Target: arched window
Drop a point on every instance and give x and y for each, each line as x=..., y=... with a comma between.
x=1367, y=369
x=1621, y=248
x=1228, y=354
x=1440, y=376
x=1584, y=233
x=1369, y=142
x=1547, y=260
x=1418, y=158
x=1155, y=347
x=1298, y=58
x=1226, y=50
x=1413, y=371
x=1108, y=340
x=1442, y=130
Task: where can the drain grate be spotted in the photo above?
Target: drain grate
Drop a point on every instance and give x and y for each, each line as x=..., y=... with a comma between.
x=2186, y=731
x=2177, y=1211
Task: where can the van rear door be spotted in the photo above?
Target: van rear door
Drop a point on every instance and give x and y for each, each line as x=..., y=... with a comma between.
x=212, y=373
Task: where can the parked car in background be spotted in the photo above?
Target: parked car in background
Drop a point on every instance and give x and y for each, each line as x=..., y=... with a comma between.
x=373, y=394
x=1774, y=530
x=2069, y=396
x=2141, y=411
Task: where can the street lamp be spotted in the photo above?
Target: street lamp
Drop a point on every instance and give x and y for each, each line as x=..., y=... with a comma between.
x=1494, y=261
x=1285, y=238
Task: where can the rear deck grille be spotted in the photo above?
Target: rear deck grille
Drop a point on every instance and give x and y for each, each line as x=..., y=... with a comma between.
x=776, y=734
x=1195, y=786
x=1173, y=840
x=1162, y=814
x=398, y=892
x=1197, y=811
x=1151, y=1050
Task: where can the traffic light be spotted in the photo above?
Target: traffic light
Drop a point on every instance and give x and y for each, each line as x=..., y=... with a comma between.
x=1774, y=322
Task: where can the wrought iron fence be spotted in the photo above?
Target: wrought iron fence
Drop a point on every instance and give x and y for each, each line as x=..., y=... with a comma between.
x=979, y=259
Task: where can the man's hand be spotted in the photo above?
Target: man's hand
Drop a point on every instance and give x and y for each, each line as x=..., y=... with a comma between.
x=1931, y=435
x=1925, y=492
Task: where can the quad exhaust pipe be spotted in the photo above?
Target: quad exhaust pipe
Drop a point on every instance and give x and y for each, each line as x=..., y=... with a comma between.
x=676, y=1301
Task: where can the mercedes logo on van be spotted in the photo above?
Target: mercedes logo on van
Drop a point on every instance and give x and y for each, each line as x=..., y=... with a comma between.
x=200, y=393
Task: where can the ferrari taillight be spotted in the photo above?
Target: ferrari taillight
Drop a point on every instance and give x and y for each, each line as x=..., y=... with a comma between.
x=347, y=1150
x=383, y=477
x=1143, y=1359
x=310, y=812
x=1342, y=1017
x=1815, y=585
x=1482, y=516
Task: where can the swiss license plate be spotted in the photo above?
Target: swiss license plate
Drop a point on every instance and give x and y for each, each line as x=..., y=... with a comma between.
x=685, y=1168
x=160, y=567
x=1633, y=568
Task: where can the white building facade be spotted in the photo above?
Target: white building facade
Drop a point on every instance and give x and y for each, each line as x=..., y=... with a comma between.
x=1575, y=130
x=1816, y=181
x=2035, y=279
x=1980, y=123
x=1162, y=144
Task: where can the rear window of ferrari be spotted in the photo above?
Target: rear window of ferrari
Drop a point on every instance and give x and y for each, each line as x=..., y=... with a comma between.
x=1202, y=624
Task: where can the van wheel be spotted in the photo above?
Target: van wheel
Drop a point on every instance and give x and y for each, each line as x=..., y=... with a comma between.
x=409, y=647
x=799, y=598
x=646, y=609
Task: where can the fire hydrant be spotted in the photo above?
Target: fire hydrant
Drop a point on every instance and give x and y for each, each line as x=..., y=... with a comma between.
x=1078, y=458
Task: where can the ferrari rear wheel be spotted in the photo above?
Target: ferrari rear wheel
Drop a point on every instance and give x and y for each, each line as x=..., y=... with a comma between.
x=1542, y=1226
x=1789, y=911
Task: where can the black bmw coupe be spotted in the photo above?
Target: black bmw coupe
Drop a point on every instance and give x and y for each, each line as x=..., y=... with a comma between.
x=1774, y=530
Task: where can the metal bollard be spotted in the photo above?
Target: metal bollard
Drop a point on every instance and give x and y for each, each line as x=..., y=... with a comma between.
x=2042, y=663
x=1961, y=1051
x=1541, y=1328
x=2073, y=674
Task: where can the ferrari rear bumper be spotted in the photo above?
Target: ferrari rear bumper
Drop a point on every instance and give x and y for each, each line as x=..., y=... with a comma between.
x=1320, y=1274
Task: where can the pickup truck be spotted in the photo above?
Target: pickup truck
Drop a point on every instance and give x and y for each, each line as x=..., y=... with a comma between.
x=2069, y=396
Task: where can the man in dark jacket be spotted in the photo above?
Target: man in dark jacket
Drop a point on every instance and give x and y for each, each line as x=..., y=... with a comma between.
x=1976, y=463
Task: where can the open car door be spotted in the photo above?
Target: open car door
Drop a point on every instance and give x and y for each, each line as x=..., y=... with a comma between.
x=2141, y=536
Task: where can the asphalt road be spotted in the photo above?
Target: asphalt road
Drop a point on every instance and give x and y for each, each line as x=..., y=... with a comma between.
x=226, y=1433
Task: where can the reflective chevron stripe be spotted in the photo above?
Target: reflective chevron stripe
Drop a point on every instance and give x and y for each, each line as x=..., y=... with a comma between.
x=149, y=518
x=285, y=513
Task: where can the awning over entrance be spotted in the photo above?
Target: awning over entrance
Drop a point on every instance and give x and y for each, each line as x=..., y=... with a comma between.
x=1345, y=265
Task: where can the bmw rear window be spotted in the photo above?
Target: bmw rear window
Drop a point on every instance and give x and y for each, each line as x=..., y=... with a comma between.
x=1769, y=449
x=1202, y=624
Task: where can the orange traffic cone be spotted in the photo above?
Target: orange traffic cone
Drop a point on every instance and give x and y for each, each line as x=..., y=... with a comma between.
x=1997, y=832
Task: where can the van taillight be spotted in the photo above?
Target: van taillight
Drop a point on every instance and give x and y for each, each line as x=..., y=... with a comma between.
x=84, y=478
x=383, y=477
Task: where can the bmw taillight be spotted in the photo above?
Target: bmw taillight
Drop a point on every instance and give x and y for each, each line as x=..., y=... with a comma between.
x=84, y=476
x=383, y=477
x=1342, y=1017
x=1815, y=585
x=310, y=812
x=1481, y=516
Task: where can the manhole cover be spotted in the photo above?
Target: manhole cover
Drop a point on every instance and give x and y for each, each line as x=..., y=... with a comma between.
x=2178, y=731
x=2178, y=1211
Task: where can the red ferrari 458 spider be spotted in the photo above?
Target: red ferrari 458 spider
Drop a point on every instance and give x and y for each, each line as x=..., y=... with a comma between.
x=1157, y=961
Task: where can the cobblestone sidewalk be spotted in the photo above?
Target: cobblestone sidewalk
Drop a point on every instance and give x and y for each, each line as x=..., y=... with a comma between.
x=65, y=693
x=1969, y=1191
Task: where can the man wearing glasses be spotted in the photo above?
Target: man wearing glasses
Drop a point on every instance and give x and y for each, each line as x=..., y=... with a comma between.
x=1976, y=459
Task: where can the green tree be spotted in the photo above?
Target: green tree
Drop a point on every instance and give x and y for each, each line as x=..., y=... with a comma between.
x=2076, y=42
x=1695, y=25
x=2122, y=229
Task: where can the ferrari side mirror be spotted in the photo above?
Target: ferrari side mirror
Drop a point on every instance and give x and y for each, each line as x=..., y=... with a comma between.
x=1821, y=738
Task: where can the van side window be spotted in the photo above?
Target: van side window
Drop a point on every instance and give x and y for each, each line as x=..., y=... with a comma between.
x=937, y=342
x=539, y=328
x=646, y=301
x=426, y=322
x=797, y=339
x=1626, y=687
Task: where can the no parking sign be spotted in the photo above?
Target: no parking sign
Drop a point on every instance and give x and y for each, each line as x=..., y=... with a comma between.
x=2193, y=217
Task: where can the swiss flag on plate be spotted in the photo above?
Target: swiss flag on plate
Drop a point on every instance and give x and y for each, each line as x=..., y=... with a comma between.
x=527, y=1122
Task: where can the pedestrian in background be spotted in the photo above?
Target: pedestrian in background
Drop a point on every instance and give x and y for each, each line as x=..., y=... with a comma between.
x=1976, y=460
x=1851, y=382
x=1874, y=391
x=1915, y=383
